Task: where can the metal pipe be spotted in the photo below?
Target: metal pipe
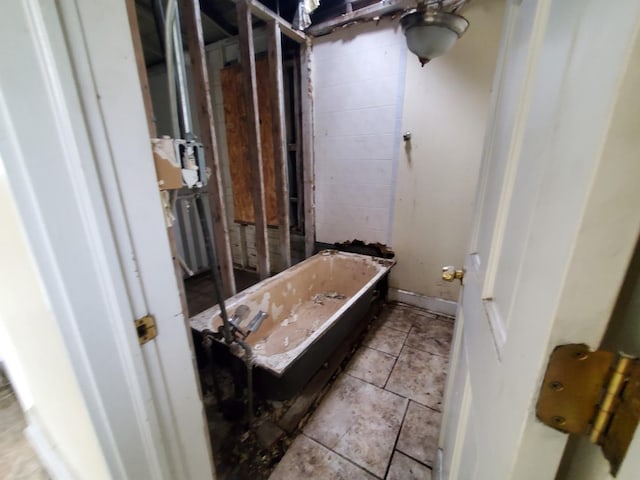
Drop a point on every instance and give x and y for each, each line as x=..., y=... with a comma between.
x=215, y=270
x=171, y=79
x=227, y=327
x=248, y=361
x=183, y=90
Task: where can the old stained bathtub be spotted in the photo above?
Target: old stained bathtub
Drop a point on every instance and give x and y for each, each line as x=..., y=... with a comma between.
x=312, y=307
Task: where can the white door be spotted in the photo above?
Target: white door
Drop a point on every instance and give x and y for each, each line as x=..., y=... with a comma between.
x=556, y=222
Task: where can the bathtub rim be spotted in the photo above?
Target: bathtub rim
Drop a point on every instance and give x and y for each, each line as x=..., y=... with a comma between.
x=278, y=364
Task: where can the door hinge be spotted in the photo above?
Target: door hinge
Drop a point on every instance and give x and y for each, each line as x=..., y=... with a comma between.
x=596, y=394
x=146, y=328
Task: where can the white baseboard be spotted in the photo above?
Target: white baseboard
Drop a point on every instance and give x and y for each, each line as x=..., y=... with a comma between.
x=437, y=468
x=46, y=453
x=432, y=304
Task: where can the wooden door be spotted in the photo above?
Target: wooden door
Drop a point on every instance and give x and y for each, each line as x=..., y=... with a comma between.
x=556, y=222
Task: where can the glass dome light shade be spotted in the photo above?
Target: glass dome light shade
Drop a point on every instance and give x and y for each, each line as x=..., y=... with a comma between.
x=432, y=34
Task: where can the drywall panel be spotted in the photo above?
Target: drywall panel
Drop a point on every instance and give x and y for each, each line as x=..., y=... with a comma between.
x=358, y=78
x=445, y=109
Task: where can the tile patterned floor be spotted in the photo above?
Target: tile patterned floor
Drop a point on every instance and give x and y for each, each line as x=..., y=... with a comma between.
x=382, y=416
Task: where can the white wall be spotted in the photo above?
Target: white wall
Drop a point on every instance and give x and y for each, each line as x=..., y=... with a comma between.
x=358, y=78
x=35, y=354
x=369, y=90
x=445, y=109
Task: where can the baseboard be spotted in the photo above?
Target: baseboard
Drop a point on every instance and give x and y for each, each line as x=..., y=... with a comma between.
x=437, y=468
x=46, y=453
x=432, y=304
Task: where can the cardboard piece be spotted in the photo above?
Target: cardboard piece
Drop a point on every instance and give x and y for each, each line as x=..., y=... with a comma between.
x=168, y=169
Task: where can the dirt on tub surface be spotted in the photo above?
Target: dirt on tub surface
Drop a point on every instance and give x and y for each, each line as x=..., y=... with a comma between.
x=303, y=322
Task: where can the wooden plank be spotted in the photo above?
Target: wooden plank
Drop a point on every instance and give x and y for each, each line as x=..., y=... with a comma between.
x=263, y=13
x=148, y=106
x=247, y=61
x=371, y=12
x=306, y=139
x=200, y=78
x=280, y=153
x=142, y=68
x=235, y=113
x=298, y=140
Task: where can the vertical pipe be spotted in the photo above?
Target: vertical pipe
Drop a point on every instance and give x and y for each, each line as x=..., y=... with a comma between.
x=184, y=106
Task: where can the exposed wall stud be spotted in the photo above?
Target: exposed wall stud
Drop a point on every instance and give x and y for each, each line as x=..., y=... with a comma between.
x=200, y=77
x=306, y=139
x=247, y=60
x=264, y=13
x=298, y=142
x=280, y=153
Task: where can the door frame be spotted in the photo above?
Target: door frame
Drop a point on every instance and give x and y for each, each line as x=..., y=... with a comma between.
x=75, y=145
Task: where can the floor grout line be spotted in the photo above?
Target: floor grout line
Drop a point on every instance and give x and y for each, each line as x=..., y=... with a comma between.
x=342, y=456
x=395, y=444
x=381, y=351
x=403, y=350
x=414, y=459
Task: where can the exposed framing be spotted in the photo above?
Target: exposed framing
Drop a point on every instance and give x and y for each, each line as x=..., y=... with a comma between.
x=280, y=152
x=306, y=139
x=247, y=61
x=297, y=121
x=263, y=13
x=276, y=26
x=371, y=12
x=195, y=43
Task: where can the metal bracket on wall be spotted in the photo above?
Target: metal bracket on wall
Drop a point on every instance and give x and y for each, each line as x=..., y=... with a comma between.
x=146, y=328
x=595, y=394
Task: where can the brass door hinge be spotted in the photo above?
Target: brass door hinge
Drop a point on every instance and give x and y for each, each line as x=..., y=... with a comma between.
x=595, y=394
x=146, y=327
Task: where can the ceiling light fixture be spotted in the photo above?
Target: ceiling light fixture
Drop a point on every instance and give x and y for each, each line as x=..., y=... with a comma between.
x=431, y=33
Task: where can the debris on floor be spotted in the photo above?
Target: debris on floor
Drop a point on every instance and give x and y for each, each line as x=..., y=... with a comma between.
x=381, y=418
x=373, y=415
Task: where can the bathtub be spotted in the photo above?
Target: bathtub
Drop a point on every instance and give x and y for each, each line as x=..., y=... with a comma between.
x=312, y=307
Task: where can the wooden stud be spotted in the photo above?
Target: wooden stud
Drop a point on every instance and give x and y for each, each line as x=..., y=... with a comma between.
x=142, y=68
x=263, y=13
x=298, y=142
x=376, y=10
x=248, y=63
x=306, y=139
x=200, y=77
x=148, y=106
x=280, y=153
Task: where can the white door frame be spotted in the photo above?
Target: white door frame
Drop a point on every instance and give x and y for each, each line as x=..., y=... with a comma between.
x=75, y=144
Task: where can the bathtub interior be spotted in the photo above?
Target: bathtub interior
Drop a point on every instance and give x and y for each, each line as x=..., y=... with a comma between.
x=301, y=303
